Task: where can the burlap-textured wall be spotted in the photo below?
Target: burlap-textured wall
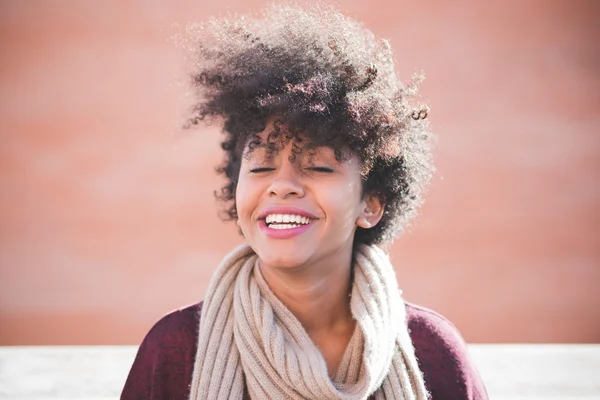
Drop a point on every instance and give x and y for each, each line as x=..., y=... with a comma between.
x=107, y=219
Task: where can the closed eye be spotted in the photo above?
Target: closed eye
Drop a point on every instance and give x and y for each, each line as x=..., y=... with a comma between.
x=261, y=169
x=321, y=169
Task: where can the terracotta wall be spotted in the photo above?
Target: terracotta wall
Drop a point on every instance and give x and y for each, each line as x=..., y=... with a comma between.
x=107, y=219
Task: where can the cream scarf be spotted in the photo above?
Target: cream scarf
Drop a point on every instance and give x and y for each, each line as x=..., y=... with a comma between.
x=247, y=337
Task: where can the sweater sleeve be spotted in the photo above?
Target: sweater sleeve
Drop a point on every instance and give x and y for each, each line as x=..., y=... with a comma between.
x=443, y=357
x=162, y=368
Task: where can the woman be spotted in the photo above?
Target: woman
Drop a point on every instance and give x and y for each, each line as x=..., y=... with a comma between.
x=326, y=161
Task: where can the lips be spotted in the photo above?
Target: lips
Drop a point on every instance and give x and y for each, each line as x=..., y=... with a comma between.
x=283, y=233
x=285, y=222
x=281, y=210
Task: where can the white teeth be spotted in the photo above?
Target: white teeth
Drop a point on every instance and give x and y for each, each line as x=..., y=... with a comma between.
x=284, y=221
x=284, y=226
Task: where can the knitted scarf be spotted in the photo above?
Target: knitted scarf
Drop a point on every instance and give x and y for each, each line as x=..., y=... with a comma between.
x=248, y=338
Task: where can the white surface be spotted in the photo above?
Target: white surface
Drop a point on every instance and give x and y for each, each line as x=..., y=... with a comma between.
x=515, y=372
x=539, y=371
x=61, y=372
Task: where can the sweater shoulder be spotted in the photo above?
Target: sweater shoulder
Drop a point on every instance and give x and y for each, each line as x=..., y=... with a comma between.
x=443, y=356
x=177, y=326
x=424, y=323
x=164, y=362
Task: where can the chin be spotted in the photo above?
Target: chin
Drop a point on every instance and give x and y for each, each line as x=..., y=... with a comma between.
x=281, y=259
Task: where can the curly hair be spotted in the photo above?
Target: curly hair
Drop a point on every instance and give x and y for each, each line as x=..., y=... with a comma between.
x=330, y=81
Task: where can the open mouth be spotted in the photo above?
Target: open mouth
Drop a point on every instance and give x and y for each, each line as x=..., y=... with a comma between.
x=286, y=221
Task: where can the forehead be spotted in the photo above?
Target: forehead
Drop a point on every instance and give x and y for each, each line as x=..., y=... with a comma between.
x=277, y=138
x=294, y=153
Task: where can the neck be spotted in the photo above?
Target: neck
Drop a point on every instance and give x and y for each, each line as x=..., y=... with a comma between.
x=318, y=294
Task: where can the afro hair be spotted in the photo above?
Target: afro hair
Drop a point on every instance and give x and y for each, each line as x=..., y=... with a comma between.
x=329, y=80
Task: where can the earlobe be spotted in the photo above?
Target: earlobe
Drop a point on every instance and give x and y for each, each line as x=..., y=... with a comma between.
x=363, y=223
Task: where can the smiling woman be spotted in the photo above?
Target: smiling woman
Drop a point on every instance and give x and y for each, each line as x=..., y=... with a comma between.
x=323, y=192
x=326, y=161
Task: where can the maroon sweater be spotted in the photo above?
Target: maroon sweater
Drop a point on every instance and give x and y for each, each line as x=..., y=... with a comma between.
x=165, y=360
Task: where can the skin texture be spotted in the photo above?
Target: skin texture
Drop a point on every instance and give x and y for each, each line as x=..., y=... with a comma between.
x=311, y=272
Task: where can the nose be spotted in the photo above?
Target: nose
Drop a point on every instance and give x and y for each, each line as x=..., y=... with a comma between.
x=286, y=182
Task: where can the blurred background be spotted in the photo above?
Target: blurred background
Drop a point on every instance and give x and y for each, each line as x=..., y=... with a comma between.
x=107, y=214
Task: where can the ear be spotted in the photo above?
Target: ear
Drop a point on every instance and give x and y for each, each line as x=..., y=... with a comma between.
x=371, y=212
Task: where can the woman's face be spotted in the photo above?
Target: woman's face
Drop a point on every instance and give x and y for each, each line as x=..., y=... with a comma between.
x=303, y=212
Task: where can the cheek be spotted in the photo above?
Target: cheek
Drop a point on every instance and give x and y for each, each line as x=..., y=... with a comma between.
x=246, y=198
x=344, y=201
x=241, y=198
